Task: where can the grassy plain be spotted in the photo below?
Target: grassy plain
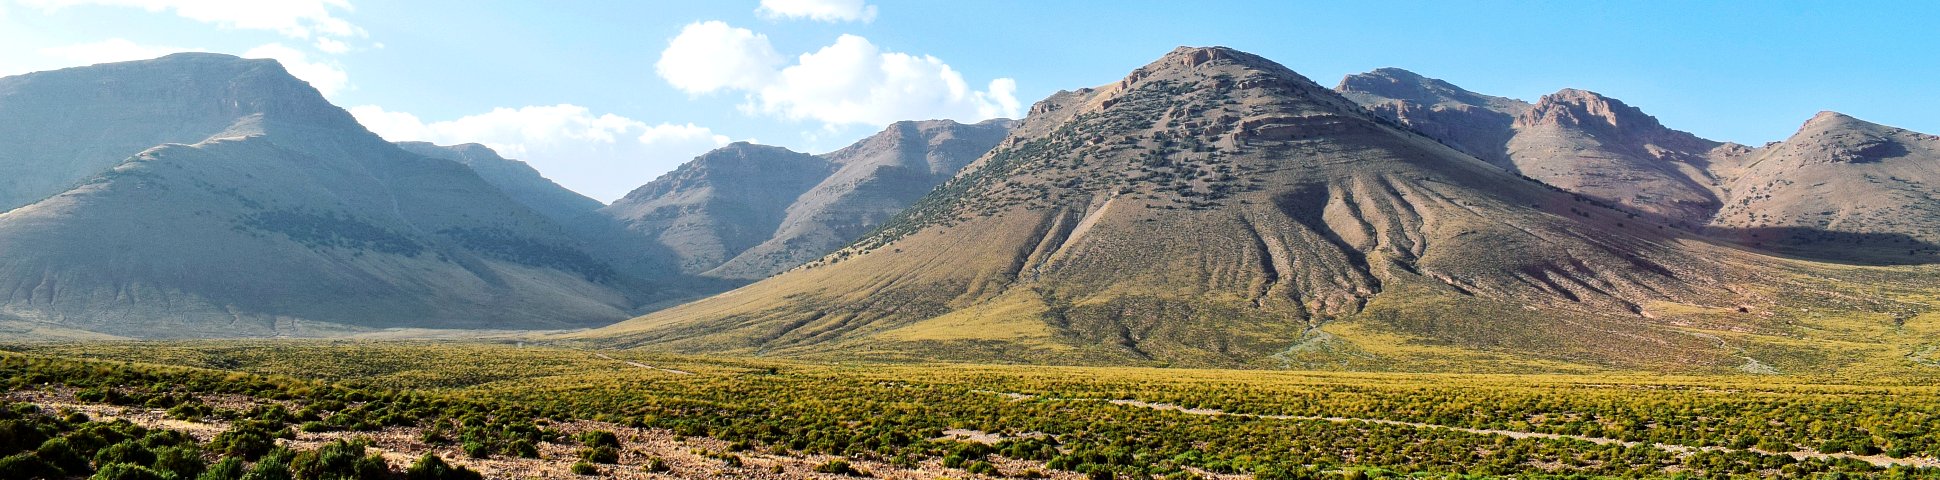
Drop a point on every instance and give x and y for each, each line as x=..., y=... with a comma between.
x=1121, y=422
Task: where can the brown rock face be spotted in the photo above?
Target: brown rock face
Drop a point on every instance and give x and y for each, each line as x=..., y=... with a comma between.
x=1602, y=148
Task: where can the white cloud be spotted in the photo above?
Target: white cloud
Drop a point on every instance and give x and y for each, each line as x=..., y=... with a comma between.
x=667, y=133
x=326, y=76
x=293, y=18
x=819, y=10
x=601, y=156
x=850, y=82
x=110, y=50
x=710, y=56
x=331, y=45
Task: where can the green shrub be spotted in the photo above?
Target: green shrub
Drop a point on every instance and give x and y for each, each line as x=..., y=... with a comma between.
x=273, y=466
x=431, y=467
x=339, y=460
x=62, y=455
x=840, y=467
x=125, y=471
x=182, y=461
x=600, y=438
x=20, y=434
x=583, y=468
x=129, y=452
x=981, y=467
x=600, y=454
x=230, y=468
x=656, y=465
x=27, y=465
x=248, y=440
x=523, y=449
x=477, y=449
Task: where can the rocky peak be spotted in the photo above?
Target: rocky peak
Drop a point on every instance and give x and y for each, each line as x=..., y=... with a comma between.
x=1584, y=108
x=1185, y=61
x=1833, y=137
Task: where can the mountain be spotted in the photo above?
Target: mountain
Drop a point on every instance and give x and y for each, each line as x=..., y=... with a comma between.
x=1216, y=208
x=1598, y=146
x=1577, y=140
x=721, y=203
x=745, y=211
x=874, y=179
x=1841, y=187
x=517, y=179
x=203, y=195
x=1476, y=124
x=54, y=138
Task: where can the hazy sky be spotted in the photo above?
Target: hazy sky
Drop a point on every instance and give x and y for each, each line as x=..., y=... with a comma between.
x=605, y=95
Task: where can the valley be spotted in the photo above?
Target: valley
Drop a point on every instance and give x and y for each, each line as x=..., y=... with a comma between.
x=1192, y=262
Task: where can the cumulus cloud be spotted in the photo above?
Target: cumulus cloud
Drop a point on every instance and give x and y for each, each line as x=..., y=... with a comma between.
x=819, y=10
x=110, y=50
x=293, y=18
x=852, y=81
x=600, y=155
x=711, y=56
x=326, y=76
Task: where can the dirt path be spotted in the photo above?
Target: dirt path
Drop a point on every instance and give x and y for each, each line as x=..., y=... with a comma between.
x=1879, y=460
x=645, y=366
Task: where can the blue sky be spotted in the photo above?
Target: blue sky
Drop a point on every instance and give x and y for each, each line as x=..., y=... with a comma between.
x=603, y=95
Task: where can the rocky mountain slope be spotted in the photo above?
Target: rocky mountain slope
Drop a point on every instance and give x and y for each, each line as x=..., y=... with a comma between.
x=1840, y=187
x=1216, y=208
x=207, y=195
x=745, y=211
x=1476, y=124
x=874, y=179
x=54, y=137
x=1577, y=140
x=517, y=179
x=719, y=204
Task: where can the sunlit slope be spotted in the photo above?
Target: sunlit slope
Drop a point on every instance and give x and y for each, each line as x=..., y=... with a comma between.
x=291, y=219
x=1216, y=208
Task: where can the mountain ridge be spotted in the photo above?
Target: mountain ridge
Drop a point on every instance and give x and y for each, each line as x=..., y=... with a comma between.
x=1304, y=209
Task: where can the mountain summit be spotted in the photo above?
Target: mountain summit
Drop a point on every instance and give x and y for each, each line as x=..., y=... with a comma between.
x=1214, y=207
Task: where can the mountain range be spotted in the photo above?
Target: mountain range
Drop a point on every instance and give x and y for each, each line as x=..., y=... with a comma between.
x=1211, y=208
x=1216, y=208
x=204, y=195
x=1840, y=189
